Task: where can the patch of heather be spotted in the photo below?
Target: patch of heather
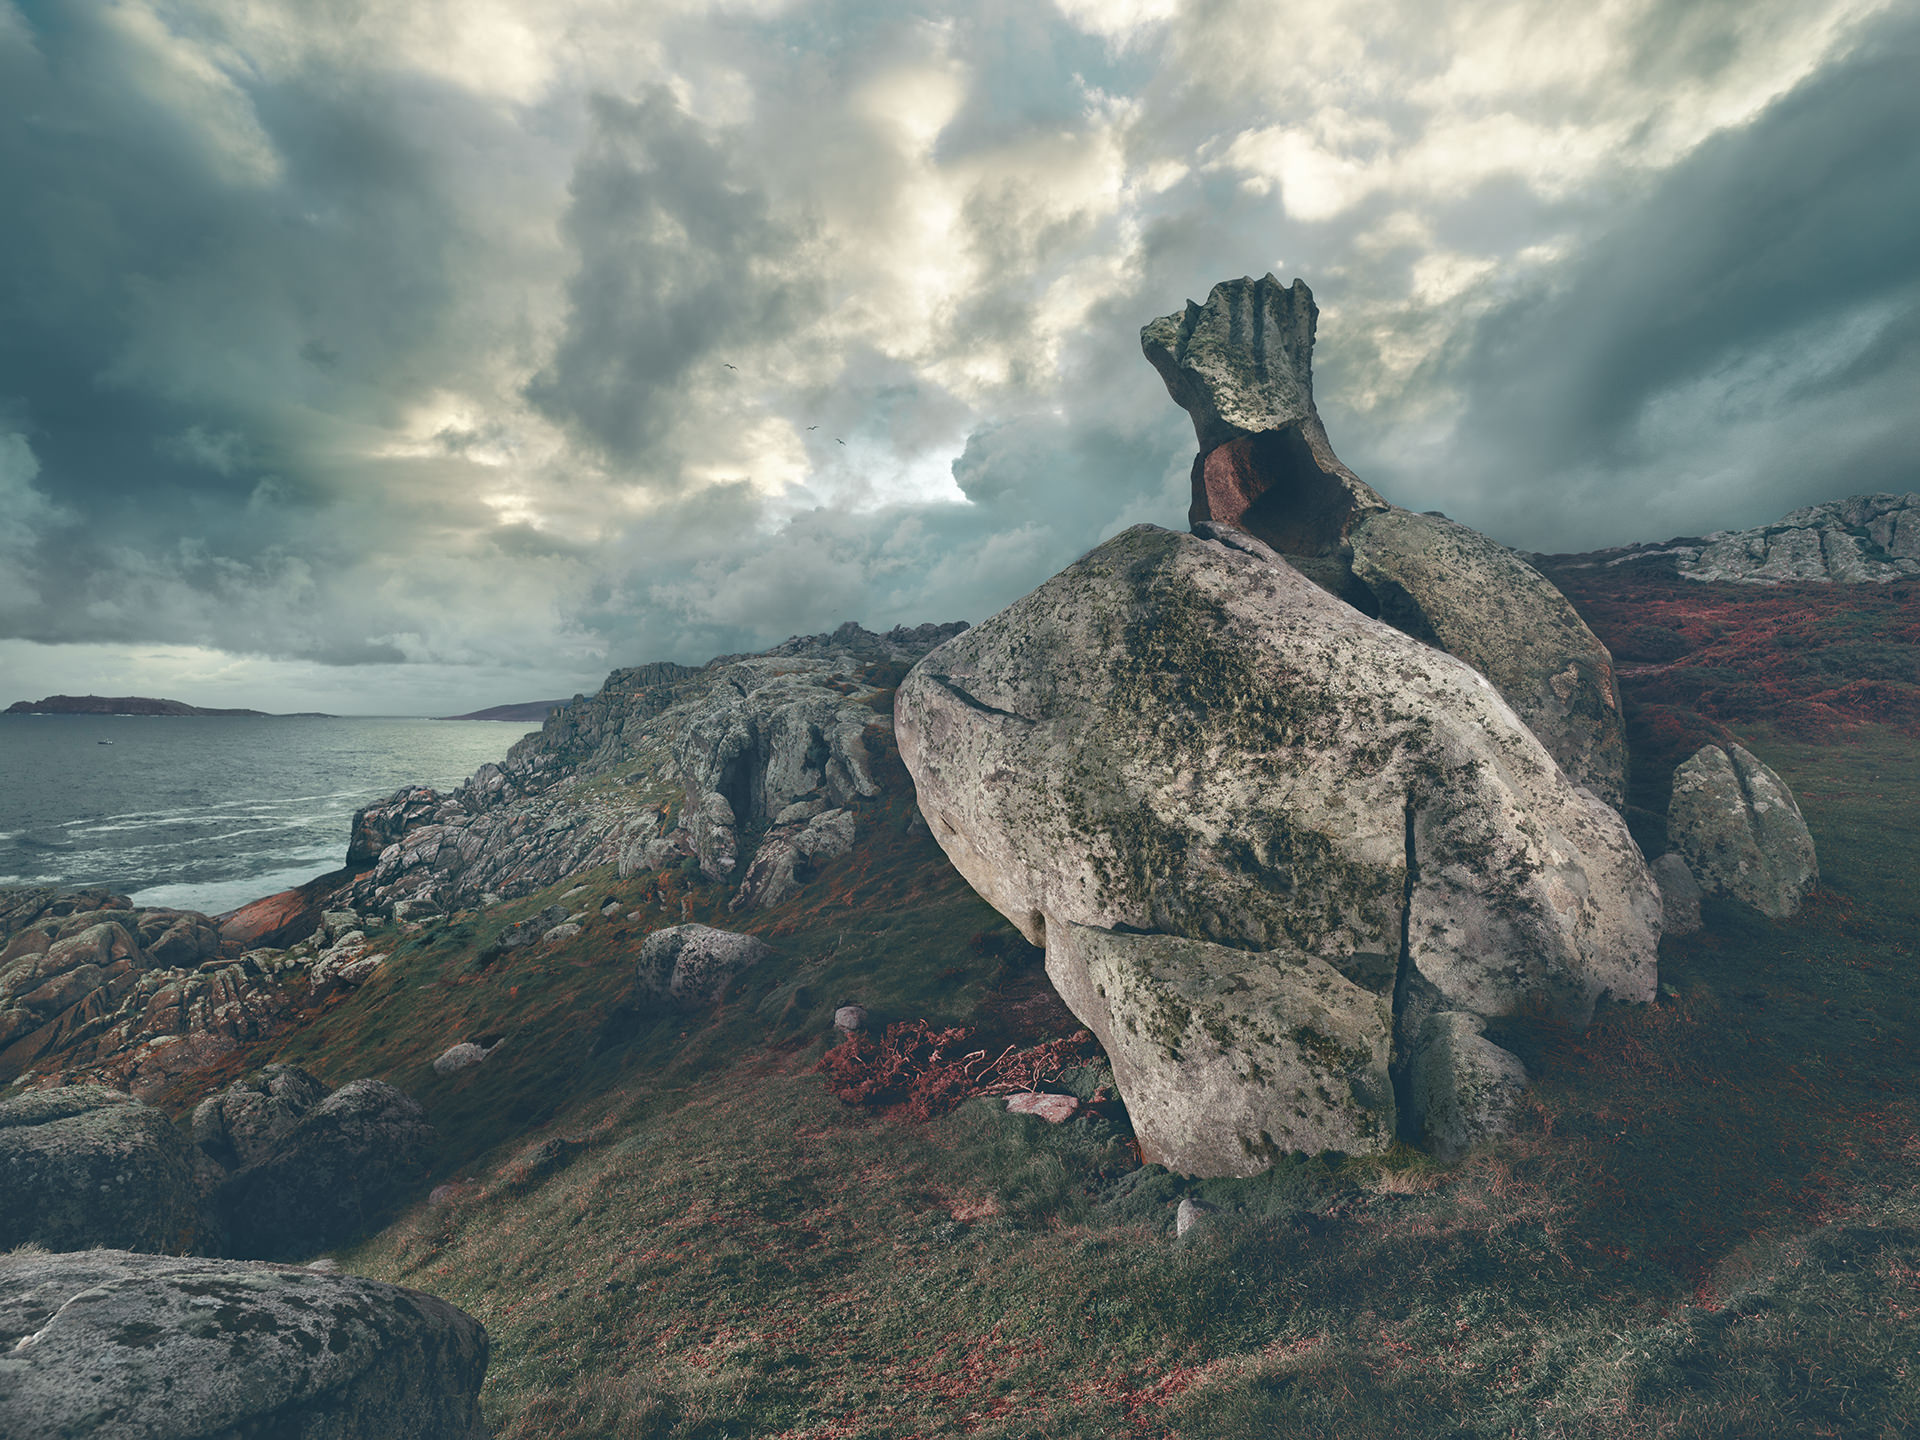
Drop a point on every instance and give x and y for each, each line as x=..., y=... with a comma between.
x=918, y=1071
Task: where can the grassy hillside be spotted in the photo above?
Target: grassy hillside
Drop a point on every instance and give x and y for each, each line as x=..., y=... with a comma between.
x=1705, y=1224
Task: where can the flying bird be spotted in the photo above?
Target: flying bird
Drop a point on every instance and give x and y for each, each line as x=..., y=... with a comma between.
x=730, y=367
x=838, y=441
x=813, y=427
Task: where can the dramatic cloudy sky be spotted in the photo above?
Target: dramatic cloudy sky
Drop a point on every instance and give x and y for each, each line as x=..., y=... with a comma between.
x=421, y=354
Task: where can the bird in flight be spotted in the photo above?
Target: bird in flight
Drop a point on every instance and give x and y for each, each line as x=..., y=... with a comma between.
x=838, y=441
x=813, y=427
x=730, y=367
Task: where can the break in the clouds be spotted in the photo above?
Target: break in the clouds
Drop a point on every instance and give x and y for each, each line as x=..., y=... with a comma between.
x=379, y=356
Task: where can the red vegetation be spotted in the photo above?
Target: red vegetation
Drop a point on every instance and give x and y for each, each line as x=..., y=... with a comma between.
x=920, y=1072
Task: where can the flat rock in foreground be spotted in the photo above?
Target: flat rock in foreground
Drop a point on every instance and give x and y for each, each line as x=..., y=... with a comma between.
x=111, y=1344
x=1186, y=737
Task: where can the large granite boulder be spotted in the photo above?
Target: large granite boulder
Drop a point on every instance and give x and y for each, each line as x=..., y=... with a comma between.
x=1242, y=366
x=691, y=964
x=1184, y=736
x=335, y=1174
x=108, y=1343
x=84, y=1166
x=241, y=1125
x=1737, y=826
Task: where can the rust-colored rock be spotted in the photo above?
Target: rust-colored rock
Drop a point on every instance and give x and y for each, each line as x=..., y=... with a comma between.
x=278, y=920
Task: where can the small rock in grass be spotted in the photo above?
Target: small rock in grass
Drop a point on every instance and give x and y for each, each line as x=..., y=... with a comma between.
x=459, y=1057
x=850, y=1017
x=1189, y=1215
x=561, y=932
x=1052, y=1108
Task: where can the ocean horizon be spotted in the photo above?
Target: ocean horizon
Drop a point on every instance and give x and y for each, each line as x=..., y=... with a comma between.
x=210, y=812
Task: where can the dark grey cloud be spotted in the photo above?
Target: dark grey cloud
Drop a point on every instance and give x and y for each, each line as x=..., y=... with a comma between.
x=391, y=341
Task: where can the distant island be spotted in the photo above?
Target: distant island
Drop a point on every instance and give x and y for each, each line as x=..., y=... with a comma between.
x=127, y=705
x=530, y=711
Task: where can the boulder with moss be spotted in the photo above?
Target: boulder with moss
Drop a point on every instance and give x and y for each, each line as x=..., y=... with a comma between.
x=1740, y=831
x=110, y=1343
x=1181, y=735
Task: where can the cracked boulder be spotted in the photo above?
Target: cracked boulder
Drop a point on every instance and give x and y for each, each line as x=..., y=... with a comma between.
x=1242, y=367
x=1740, y=831
x=110, y=1343
x=1184, y=736
x=1461, y=1086
x=241, y=1125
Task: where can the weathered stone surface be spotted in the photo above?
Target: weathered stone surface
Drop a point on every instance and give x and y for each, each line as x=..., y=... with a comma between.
x=1461, y=1086
x=789, y=856
x=1242, y=367
x=1867, y=539
x=1454, y=588
x=113, y=1344
x=242, y=1124
x=1736, y=824
x=1229, y=1058
x=1187, y=737
x=1054, y=1109
x=1679, y=895
x=275, y=921
x=692, y=964
x=465, y=1055
x=85, y=1166
x=341, y=1168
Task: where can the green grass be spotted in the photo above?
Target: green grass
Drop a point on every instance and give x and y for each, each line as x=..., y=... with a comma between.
x=1704, y=1224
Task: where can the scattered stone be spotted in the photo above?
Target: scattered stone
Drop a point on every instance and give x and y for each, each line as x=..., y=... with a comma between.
x=1737, y=826
x=335, y=923
x=106, y=1342
x=850, y=1017
x=466, y=1053
x=1190, y=1214
x=332, y=1177
x=412, y=911
x=692, y=964
x=1679, y=895
x=1461, y=1086
x=535, y=927
x=1054, y=1109
x=563, y=931
x=84, y=1166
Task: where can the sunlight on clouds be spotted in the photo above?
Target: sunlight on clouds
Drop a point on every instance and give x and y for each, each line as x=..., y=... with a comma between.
x=195, y=82
x=1118, y=20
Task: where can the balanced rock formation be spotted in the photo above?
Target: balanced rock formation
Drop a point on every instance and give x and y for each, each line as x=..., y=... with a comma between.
x=85, y=1166
x=691, y=964
x=1242, y=367
x=331, y=1174
x=1740, y=831
x=1180, y=735
x=110, y=1343
x=666, y=766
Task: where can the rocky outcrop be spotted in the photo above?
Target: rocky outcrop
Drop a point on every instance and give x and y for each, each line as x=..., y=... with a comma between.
x=106, y=1342
x=1184, y=736
x=92, y=988
x=1241, y=366
x=1737, y=826
x=274, y=922
x=330, y=1176
x=665, y=766
x=85, y=1166
x=691, y=964
x=1863, y=539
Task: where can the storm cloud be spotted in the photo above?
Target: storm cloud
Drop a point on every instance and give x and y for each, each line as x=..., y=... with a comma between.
x=362, y=356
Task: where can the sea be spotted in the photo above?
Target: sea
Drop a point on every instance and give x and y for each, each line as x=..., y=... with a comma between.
x=208, y=812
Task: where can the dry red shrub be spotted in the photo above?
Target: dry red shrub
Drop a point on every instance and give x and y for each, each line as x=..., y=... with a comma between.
x=923, y=1072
